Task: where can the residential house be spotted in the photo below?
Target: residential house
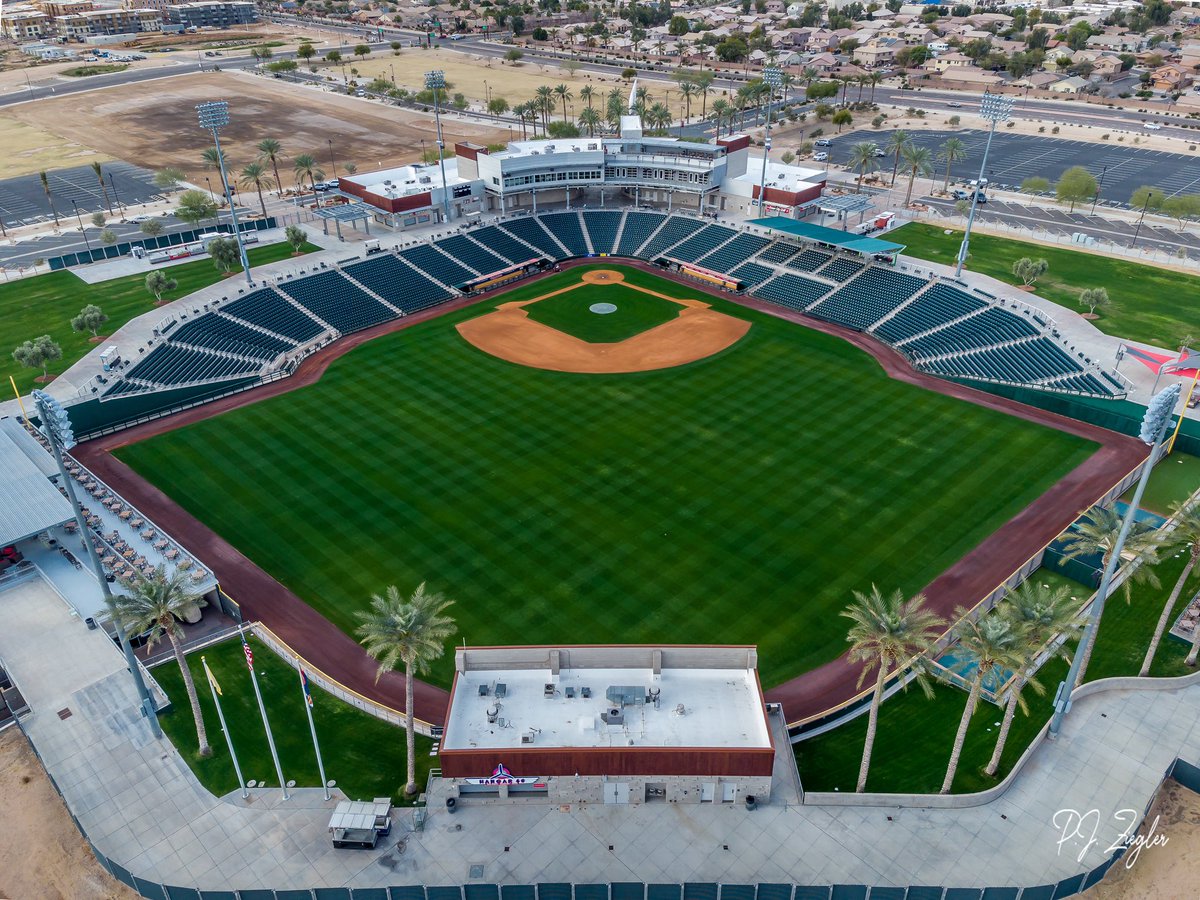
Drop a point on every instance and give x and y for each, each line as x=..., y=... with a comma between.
x=1170, y=77
x=1073, y=84
x=876, y=53
x=946, y=61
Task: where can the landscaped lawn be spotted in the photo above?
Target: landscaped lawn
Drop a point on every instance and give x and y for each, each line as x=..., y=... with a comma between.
x=740, y=498
x=1150, y=305
x=46, y=304
x=363, y=754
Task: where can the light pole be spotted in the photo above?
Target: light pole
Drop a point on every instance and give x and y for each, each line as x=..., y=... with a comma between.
x=772, y=77
x=1099, y=188
x=436, y=81
x=57, y=429
x=214, y=116
x=112, y=184
x=1153, y=430
x=1138, y=230
x=332, y=161
x=996, y=108
x=81, y=228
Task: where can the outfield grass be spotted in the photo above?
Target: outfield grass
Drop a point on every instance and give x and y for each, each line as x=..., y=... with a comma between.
x=636, y=312
x=1174, y=480
x=363, y=754
x=741, y=498
x=1149, y=303
x=46, y=304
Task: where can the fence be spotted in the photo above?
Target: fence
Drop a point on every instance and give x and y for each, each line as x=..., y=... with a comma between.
x=174, y=239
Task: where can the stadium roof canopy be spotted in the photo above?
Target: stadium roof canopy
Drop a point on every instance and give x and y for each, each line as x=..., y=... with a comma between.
x=822, y=235
x=29, y=501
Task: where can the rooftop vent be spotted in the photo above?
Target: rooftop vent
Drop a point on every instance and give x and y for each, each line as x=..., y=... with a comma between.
x=613, y=716
x=483, y=690
x=585, y=693
x=527, y=737
x=548, y=691
x=626, y=695
x=570, y=692
x=501, y=689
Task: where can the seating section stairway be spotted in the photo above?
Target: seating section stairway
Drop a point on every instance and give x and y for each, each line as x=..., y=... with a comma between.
x=338, y=301
x=602, y=226
x=638, y=228
x=867, y=298
x=398, y=283
x=565, y=226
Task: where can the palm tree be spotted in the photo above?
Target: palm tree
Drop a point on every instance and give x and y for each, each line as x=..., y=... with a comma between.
x=564, y=94
x=1043, y=612
x=49, y=198
x=862, y=157
x=590, y=119
x=896, y=145
x=306, y=167
x=412, y=631
x=658, y=116
x=875, y=78
x=846, y=81
x=952, y=151
x=154, y=603
x=255, y=175
x=862, y=81
x=271, y=150
x=103, y=187
x=918, y=161
x=587, y=92
x=544, y=97
x=720, y=111
x=687, y=90
x=703, y=82
x=1096, y=533
x=988, y=645
x=888, y=632
x=1186, y=535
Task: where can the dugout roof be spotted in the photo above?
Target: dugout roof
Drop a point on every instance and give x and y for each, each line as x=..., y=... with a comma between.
x=29, y=501
x=822, y=235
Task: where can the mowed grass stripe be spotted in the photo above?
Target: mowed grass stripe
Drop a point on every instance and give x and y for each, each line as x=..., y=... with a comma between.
x=738, y=498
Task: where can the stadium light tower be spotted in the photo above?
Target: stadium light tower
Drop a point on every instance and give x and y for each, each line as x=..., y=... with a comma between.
x=436, y=81
x=996, y=108
x=773, y=78
x=214, y=116
x=57, y=429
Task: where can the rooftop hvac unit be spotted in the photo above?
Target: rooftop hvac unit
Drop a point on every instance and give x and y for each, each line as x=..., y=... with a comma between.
x=613, y=716
x=425, y=179
x=585, y=693
x=625, y=694
x=492, y=712
x=548, y=691
x=527, y=737
x=501, y=690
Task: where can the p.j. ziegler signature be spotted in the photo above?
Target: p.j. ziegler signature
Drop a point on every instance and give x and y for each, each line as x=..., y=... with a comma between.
x=1074, y=825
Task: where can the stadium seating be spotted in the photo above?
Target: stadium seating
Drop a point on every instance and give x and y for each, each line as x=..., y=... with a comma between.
x=674, y=230
x=841, y=268
x=504, y=244
x=942, y=303
x=792, y=291
x=701, y=243
x=751, y=274
x=778, y=253
x=338, y=301
x=169, y=364
x=213, y=331
x=448, y=271
x=398, y=283
x=1028, y=362
x=602, y=226
x=268, y=309
x=530, y=230
x=866, y=299
x=733, y=254
x=809, y=261
x=565, y=226
x=471, y=254
x=991, y=326
x=638, y=228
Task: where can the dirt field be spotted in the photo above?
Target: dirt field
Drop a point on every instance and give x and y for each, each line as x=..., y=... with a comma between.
x=42, y=855
x=25, y=149
x=156, y=128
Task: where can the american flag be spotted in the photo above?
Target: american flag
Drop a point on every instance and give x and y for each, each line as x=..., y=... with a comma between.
x=249, y=654
x=304, y=686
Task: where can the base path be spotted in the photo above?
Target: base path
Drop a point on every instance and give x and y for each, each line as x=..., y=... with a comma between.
x=809, y=695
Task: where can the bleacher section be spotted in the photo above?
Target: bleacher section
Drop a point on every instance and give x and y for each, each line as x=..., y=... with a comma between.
x=439, y=266
x=602, y=226
x=733, y=254
x=168, y=364
x=398, y=283
x=778, y=253
x=1028, y=362
x=809, y=261
x=866, y=299
x=338, y=301
x=674, y=230
x=842, y=269
x=942, y=303
x=752, y=274
x=565, y=226
x=218, y=333
x=792, y=291
x=270, y=310
x=530, y=230
x=638, y=228
x=701, y=243
x=992, y=326
x=469, y=253
x=504, y=244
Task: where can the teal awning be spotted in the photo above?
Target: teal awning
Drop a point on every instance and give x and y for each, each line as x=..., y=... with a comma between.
x=832, y=236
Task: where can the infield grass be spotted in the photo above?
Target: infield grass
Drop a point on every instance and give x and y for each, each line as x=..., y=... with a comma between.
x=635, y=312
x=740, y=498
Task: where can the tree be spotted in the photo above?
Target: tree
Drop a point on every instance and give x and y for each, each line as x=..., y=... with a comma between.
x=295, y=236
x=540, y=34
x=497, y=106
x=37, y=353
x=1147, y=197
x=1185, y=537
x=1030, y=270
x=49, y=197
x=411, y=631
x=305, y=166
x=587, y=93
x=154, y=603
x=1041, y=612
x=90, y=318
x=862, y=157
x=918, y=161
x=395, y=45
x=99, y=172
x=194, y=207
x=1035, y=184
x=1076, y=185
x=98, y=219
x=271, y=150
x=1181, y=207
x=255, y=175
x=159, y=282
x=952, y=151
x=590, y=119
x=350, y=168
x=514, y=56
x=787, y=158
x=896, y=145
x=1093, y=299
x=733, y=49
x=168, y=179
x=721, y=110
x=564, y=93
x=224, y=253
x=1096, y=534
x=362, y=50
x=842, y=117
x=986, y=646
x=307, y=51
x=151, y=227
x=888, y=634
x=108, y=236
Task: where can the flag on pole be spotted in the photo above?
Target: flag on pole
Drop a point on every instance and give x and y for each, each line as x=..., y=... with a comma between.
x=304, y=687
x=212, y=679
x=249, y=653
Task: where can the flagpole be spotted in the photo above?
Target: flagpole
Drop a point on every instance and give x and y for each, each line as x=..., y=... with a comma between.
x=311, y=727
x=212, y=686
x=266, y=723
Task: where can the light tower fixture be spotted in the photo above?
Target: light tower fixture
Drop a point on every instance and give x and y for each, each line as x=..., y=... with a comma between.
x=772, y=77
x=436, y=81
x=214, y=115
x=996, y=108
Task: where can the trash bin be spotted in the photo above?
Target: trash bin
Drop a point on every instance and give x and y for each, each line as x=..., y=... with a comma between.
x=451, y=804
x=751, y=802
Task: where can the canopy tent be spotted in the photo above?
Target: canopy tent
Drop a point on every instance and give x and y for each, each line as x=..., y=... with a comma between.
x=29, y=501
x=831, y=236
x=1165, y=363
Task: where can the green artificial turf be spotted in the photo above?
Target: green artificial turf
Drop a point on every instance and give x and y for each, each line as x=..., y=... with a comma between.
x=363, y=754
x=1174, y=480
x=570, y=312
x=46, y=304
x=1150, y=305
x=741, y=498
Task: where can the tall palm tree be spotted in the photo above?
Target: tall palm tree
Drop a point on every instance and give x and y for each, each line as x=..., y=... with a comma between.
x=49, y=197
x=412, y=631
x=876, y=78
x=1185, y=536
x=564, y=94
x=544, y=97
x=154, y=603
x=703, y=82
x=952, y=151
x=720, y=111
x=846, y=81
x=255, y=175
x=586, y=93
x=1042, y=612
x=658, y=116
x=1096, y=533
x=887, y=633
x=862, y=157
x=896, y=143
x=687, y=89
x=918, y=161
x=306, y=167
x=590, y=119
x=989, y=645
x=862, y=81
x=271, y=150
x=96, y=167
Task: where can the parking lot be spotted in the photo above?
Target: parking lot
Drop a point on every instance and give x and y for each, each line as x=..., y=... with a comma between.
x=1015, y=157
x=23, y=200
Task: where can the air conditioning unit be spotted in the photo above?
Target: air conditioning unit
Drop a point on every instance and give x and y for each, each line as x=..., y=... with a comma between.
x=548, y=691
x=527, y=737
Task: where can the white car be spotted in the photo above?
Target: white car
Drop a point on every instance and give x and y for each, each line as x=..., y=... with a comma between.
x=1153, y=126
x=820, y=156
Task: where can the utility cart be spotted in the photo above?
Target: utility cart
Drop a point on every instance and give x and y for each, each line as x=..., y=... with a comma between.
x=360, y=824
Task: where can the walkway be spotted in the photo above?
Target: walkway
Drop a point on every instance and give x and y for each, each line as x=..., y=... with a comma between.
x=142, y=807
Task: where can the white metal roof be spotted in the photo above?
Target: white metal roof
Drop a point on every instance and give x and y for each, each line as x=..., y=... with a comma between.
x=29, y=502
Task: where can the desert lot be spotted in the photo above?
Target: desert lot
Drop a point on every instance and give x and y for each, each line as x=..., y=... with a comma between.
x=154, y=125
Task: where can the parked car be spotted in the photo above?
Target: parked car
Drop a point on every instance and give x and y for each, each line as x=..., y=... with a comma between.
x=820, y=156
x=878, y=153
x=823, y=142
x=320, y=186
x=333, y=183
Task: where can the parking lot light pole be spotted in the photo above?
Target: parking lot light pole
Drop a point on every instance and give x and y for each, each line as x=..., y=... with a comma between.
x=81, y=228
x=436, y=81
x=772, y=77
x=1138, y=230
x=996, y=109
x=1099, y=188
x=214, y=116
